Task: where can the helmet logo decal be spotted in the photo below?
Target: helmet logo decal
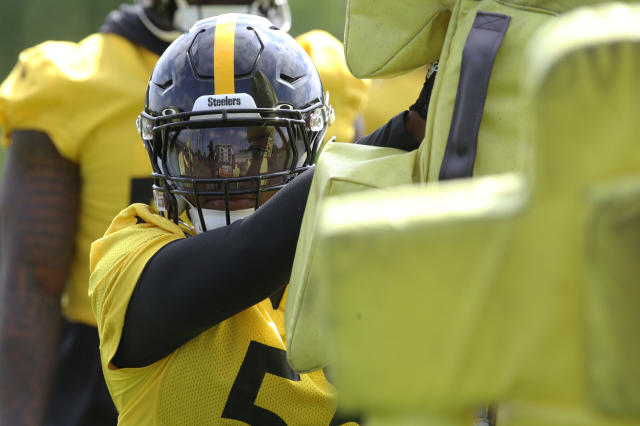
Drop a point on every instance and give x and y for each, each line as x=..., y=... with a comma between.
x=229, y=103
x=223, y=54
x=226, y=101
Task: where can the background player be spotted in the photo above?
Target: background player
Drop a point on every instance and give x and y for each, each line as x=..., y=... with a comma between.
x=189, y=303
x=74, y=162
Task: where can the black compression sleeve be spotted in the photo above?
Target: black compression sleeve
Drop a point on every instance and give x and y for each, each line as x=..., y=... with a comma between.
x=392, y=135
x=195, y=283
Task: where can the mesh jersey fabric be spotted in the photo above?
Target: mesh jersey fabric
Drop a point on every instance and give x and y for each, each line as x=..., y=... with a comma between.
x=75, y=93
x=236, y=367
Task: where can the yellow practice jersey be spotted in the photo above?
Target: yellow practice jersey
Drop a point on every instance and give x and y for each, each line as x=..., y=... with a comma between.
x=86, y=97
x=234, y=369
x=347, y=94
x=388, y=97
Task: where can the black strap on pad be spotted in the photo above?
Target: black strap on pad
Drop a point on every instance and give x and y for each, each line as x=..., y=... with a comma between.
x=478, y=56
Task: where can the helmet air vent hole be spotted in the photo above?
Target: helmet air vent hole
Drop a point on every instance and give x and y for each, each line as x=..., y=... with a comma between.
x=164, y=85
x=290, y=79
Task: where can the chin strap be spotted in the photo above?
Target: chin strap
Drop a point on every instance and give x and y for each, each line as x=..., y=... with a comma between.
x=215, y=218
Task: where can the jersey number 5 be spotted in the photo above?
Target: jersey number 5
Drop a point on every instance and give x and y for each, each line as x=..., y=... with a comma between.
x=259, y=360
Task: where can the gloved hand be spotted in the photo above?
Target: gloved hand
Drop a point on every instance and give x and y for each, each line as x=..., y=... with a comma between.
x=421, y=106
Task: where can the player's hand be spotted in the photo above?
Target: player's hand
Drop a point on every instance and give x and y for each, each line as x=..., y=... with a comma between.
x=421, y=106
x=415, y=119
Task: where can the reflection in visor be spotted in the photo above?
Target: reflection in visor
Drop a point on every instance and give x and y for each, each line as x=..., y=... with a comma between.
x=230, y=152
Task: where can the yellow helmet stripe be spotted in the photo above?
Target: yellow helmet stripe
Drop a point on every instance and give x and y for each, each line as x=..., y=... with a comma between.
x=223, y=54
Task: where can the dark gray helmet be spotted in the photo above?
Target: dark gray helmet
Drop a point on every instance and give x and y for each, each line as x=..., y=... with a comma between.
x=234, y=110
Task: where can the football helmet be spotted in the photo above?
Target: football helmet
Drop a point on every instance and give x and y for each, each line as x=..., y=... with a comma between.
x=167, y=19
x=234, y=110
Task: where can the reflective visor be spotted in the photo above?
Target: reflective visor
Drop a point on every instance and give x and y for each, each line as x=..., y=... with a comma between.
x=231, y=153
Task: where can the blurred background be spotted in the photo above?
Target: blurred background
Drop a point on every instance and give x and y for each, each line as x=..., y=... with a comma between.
x=26, y=23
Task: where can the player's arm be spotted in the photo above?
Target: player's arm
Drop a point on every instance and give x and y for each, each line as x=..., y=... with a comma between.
x=39, y=215
x=195, y=283
x=406, y=130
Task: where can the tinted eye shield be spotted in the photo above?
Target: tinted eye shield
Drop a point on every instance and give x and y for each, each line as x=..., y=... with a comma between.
x=149, y=126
